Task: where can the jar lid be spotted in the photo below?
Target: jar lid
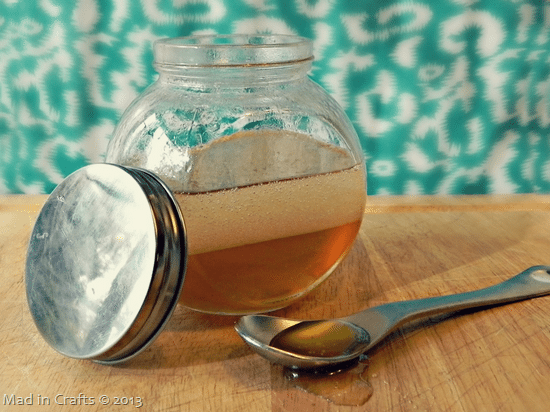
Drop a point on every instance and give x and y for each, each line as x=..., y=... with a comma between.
x=106, y=263
x=232, y=50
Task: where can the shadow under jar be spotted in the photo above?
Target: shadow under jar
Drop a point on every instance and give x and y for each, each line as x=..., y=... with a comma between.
x=266, y=167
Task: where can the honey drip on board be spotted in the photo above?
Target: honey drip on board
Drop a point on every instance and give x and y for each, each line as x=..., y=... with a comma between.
x=345, y=384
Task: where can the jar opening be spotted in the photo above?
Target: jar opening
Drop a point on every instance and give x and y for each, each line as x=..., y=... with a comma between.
x=232, y=50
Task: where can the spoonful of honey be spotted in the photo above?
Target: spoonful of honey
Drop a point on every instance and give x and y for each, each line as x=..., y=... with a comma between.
x=320, y=343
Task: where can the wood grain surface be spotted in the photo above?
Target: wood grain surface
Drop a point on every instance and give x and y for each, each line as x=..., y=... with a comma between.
x=492, y=360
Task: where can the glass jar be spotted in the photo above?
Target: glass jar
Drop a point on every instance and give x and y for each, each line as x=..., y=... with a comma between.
x=265, y=165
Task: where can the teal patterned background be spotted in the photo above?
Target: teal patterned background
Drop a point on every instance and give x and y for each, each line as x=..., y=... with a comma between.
x=448, y=96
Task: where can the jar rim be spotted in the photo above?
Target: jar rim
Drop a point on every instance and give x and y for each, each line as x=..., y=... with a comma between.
x=232, y=50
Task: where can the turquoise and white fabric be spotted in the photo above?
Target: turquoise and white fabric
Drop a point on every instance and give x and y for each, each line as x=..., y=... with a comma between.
x=447, y=96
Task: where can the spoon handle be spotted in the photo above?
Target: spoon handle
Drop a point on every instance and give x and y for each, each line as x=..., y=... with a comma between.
x=532, y=282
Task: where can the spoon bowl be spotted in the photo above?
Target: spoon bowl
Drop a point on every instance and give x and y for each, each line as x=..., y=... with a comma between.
x=303, y=344
x=319, y=343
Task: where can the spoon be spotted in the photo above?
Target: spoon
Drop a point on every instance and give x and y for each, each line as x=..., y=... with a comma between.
x=320, y=343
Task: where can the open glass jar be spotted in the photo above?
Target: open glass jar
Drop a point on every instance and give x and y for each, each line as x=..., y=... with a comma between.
x=265, y=166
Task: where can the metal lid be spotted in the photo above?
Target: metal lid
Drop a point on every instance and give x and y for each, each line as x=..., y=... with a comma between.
x=106, y=263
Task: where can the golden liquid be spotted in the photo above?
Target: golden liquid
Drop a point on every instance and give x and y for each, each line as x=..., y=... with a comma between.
x=345, y=384
x=264, y=275
x=257, y=248
x=321, y=339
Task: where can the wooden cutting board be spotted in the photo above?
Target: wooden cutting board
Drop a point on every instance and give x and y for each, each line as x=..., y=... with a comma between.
x=492, y=360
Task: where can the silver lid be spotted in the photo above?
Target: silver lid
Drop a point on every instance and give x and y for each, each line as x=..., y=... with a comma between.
x=106, y=263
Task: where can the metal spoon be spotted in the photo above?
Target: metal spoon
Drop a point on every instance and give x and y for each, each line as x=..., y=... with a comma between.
x=310, y=344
